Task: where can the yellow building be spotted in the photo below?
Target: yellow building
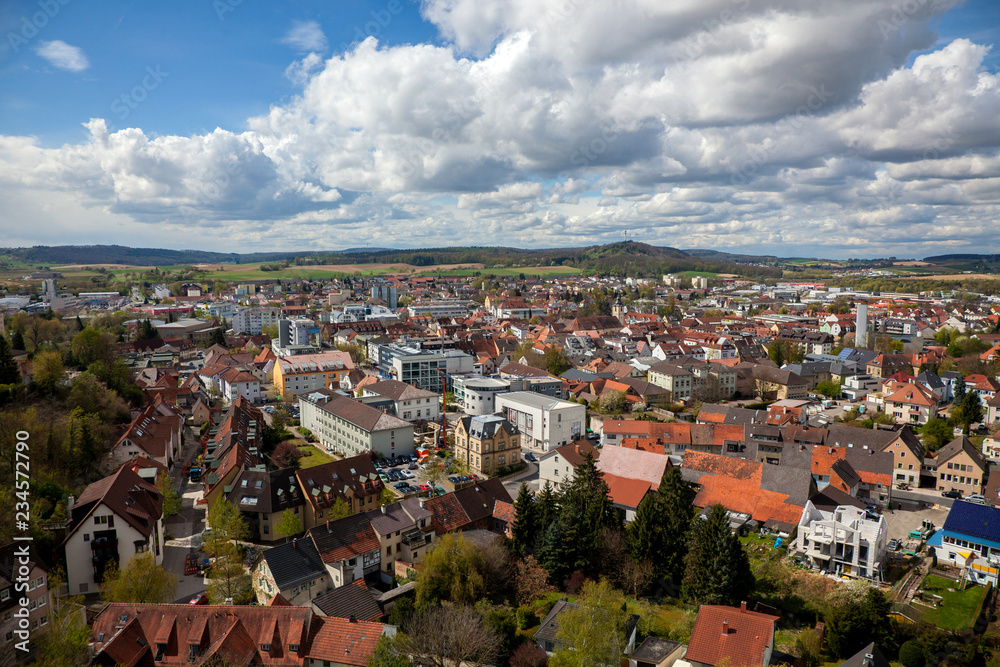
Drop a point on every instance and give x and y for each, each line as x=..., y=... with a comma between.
x=487, y=442
x=303, y=372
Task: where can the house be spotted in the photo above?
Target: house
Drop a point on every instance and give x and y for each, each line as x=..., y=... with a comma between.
x=557, y=467
x=268, y=636
x=353, y=480
x=469, y=508
x=969, y=530
x=155, y=433
x=349, y=547
x=961, y=467
x=676, y=380
x=912, y=403
x=262, y=497
x=113, y=519
x=907, y=451
x=630, y=474
x=771, y=383
x=355, y=600
x=725, y=635
x=293, y=570
x=544, y=422
x=22, y=575
x=303, y=372
x=656, y=652
x=869, y=656
x=844, y=542
x=404, y=531
x=237, y=382
x=546, y=635
x=884, y=365
x=486, y=443
x=411, y=403
x=342, y=424
x=767, y=494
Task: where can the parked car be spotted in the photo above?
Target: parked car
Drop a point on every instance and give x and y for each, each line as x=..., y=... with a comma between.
x=412, y=466
x=200, y=598
x=401, y=486
x=424, y=487
x=951, y=494
x=975, y=498
x=893, y=545
x=529, y=457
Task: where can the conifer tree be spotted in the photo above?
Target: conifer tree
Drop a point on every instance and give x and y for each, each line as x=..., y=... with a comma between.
x=9, y=373
x=525, y=522
x=717, y=569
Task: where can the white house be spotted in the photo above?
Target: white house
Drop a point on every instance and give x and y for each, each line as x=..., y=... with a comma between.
x=411, y=402
x=845, y=542
x=114, y=519
x=543, y=421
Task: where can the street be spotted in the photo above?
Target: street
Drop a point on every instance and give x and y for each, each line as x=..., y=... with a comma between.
x=185, y=527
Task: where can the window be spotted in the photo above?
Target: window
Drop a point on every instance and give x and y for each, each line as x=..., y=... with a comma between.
x=86, y=537
x=5, y=595
x=266, y=648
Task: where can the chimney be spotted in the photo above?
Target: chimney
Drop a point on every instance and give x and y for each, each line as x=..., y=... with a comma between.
x=868, y=661
x=725, y=627
x=328, y=529
x=228, y=601
x=70, y=502
x=423, y=502
x=383, y=509
x=743, y=607
x=352, y=619
x=295, y=543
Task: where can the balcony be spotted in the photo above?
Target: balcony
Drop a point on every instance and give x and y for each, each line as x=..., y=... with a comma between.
x=415, y=539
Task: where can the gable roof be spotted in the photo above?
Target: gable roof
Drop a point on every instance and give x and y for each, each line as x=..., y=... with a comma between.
x=293, y=563
x=634, y=464
x=398, y=391
x=342, y=641
x=961, y=444
x=344, y=538
x=738, y=635
x=352, y=600
x=979, y=521
x=127, y=495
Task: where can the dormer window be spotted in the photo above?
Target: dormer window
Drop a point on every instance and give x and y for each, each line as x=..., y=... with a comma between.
x=293, y=648
x=265, y=648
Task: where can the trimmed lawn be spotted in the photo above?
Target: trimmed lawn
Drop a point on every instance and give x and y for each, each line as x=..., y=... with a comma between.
x=958, y=608
x=311, y=456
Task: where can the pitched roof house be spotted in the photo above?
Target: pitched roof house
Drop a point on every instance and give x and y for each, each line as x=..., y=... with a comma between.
x=737, y=637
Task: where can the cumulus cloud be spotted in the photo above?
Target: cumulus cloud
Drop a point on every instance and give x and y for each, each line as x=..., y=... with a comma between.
x=716, y=123
x=305, y=36
x=64, y=56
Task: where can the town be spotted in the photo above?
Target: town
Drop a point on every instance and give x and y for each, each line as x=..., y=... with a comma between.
x=386, y=465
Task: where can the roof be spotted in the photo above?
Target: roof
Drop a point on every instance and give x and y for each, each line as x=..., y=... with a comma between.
x=654, y=649
x=127, y=495
x=978, y=521
x=574, y=452
x=738, y=635
x=398, y=391
x=486, y=427
x=633, y=464
x=127, y=633
x=315, y=363
x=961, y=444
x=342, y=641
x=354, y=476
x=293, y=563
x=364, y=416
x=344, y=538
x=869, y=656
x=352, y=600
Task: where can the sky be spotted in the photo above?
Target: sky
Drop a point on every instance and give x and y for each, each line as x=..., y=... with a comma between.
x=833, y=129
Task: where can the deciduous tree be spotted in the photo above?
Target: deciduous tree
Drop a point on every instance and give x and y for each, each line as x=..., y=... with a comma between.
x=141, y=580
x=288, y=525
x=592, y=633
x=447, y=636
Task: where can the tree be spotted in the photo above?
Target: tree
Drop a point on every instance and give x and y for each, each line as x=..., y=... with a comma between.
x=9, y=373
x=446, y=636
x=661, y=524
x=531, y=580
x=91, y=345
x=387, y=652
x=171, y=501
x=228, y=579
x=717, y=569
x=146, y=331
x=65, y=643
x=960, y=390
x=936, y=434
x=969, y=411
x=17, y=340
x=525, y=526
x=592, y=633
x=911, y=654
x=141, y=581
x=48, y=371
x=453, y=570
x=218, y=337
x=288, y=525
x=613, y=401
x=556, y=360
x=854, y=624
x=828, y=388
x=529, y=655
x=286, y=454
x=227, y=523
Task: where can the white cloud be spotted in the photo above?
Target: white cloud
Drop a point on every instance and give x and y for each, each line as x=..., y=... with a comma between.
x=305, y=36
x=711, y=123
x=62, y=55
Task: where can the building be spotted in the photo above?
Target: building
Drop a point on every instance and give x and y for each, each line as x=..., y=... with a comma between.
x=276, y=635
x=970, y=530
x=253, y=321
x=844, y=542
x=912, y=403
x=558, y=466
x=543, y=422
x=477, y=394
x=237, y=382
x=411, y=403
x=730, y=636
x=22, y=575
x=656, y=652
x=486, y=443
x=306, y=372
x=440, y=309
x=262, y=496
x=961, y=467
x=676, y=380
x=293, y=570
x=155, y=433
x=350, y=485
x=113, y=520
x=387, y=293
x=342, y=424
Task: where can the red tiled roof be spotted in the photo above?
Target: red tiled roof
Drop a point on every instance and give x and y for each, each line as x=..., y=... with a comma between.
x=736, y=635
x=736, y=485
x=626, y=492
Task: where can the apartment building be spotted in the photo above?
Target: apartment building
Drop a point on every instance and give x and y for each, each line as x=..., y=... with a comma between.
x=486, y=443
x=844, y=542
x=543, y=422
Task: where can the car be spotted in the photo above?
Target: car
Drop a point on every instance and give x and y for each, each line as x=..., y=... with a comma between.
x=412, y=466
x=893, y=545
x=407, y=474
x=401, y=486
x=951, y=494
x=383, y=477
x=438, y=490
x=424, y=487
x=453, y=479
x=530, y=457
x=200, y=598
x=976, y=498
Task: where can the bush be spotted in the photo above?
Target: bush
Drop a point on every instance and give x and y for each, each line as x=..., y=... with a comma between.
x=911, y=654
x=526, y=618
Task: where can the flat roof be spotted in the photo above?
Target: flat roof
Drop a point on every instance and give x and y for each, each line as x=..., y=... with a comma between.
x=537, y=400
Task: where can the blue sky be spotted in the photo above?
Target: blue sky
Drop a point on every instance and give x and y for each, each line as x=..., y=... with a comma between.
x=746, y=125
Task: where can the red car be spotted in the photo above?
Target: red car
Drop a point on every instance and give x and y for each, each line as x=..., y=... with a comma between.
x=200, y=598
x=424, y=487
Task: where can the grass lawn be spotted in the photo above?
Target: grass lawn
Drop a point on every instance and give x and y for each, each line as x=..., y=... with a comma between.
x=689, y=274
x=957, y=609
x=311, y=456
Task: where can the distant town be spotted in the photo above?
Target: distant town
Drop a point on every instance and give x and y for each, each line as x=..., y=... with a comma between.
x=775, y=462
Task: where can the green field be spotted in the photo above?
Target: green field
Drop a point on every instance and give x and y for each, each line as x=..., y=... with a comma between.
x=691, y=274
x=312, y=456
x=958, y=608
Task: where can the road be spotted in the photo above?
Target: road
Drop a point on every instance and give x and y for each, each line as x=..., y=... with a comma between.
x=928, y=496
x=529, y=475
x=185, y=527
